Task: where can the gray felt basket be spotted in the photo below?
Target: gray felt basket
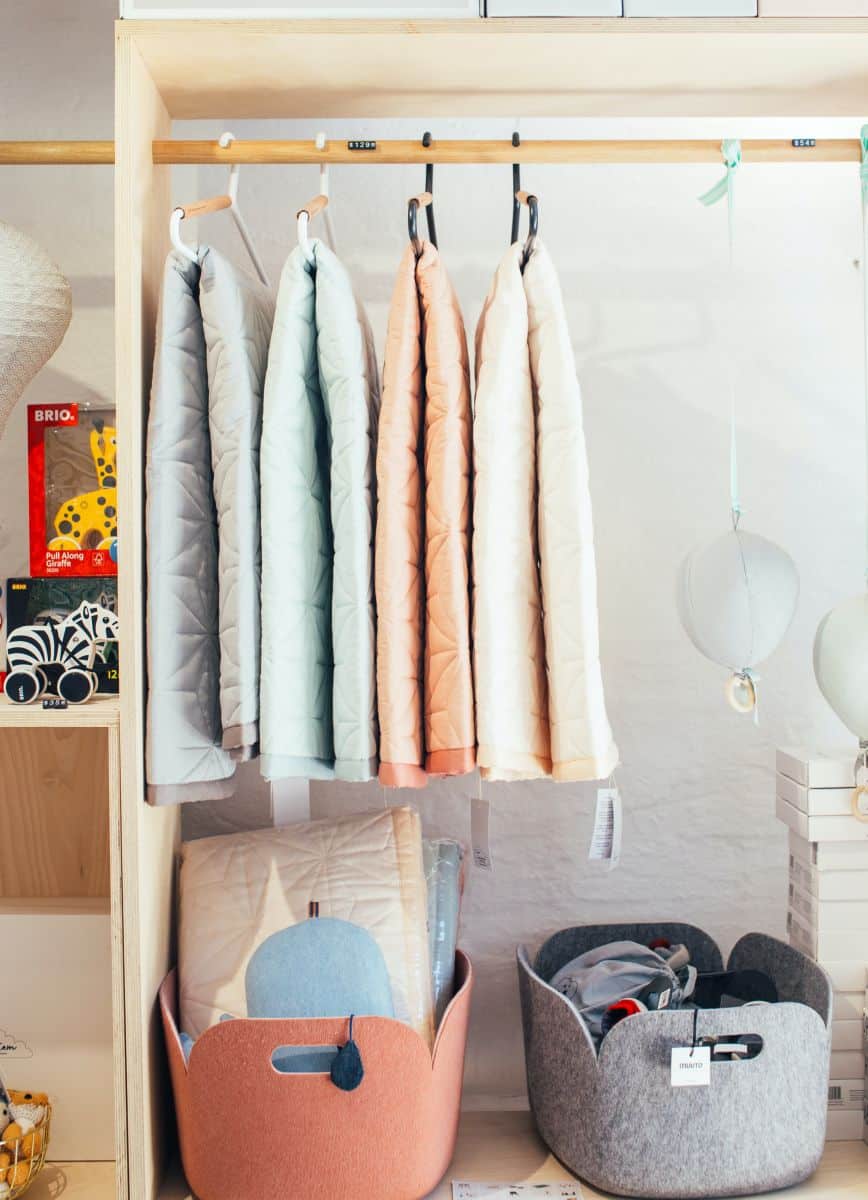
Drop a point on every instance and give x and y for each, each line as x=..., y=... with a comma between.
x=616, y=1121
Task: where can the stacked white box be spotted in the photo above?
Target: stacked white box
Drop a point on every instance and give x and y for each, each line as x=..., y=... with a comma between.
x=865, y=1053
x=827, y=914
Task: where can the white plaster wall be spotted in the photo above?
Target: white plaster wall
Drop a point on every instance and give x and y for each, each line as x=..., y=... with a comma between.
x=56, y=81
x=642, y=267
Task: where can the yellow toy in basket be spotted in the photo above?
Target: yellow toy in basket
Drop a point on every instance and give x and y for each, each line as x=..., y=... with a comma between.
x=25, y=1120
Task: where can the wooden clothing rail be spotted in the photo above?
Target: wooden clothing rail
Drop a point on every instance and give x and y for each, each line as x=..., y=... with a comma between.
x=166, y=152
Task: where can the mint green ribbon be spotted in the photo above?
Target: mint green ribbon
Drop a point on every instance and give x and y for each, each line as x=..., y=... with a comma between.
x=864, y=177
x=731, y=148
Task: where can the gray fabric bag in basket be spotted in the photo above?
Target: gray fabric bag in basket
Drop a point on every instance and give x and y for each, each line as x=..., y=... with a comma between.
x=613, y=1116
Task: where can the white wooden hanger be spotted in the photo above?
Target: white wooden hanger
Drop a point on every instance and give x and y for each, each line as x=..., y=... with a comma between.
x=216, y=204
x=319, y=204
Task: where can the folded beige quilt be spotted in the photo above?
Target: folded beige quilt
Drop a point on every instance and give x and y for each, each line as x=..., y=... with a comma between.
x=239, y=889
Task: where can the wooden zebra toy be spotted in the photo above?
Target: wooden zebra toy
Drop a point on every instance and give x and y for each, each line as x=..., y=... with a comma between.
x=72, y=643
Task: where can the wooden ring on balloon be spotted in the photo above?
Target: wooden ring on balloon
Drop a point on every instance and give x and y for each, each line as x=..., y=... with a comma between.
x=860, y=804
x=732, y=687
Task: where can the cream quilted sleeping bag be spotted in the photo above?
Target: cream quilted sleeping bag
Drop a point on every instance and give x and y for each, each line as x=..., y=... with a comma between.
x=318, y=695
x=203, y=528
x=540, y=707
x=424, y=675
x=239, y=889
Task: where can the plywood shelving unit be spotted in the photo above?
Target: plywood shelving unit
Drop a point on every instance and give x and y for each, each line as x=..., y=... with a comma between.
x=75, y=1181
x=102, y=712
x=60, y=857
x=176, y=70
x=504, y=1146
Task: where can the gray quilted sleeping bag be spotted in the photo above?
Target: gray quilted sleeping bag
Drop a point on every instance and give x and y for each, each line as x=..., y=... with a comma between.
x=318, y=693
x=203, y=551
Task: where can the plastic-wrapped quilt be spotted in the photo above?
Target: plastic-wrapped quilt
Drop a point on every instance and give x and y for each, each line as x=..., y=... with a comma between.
x=444, y=875
x=203, y=559
x=540, y=708
x=424, y=675
x=318, y=691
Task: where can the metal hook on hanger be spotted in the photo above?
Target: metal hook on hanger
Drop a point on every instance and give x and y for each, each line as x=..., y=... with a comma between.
x=429, y=189
x=424, y=200
x=318, y=204
x=216, y=204
x=532, y=204
x=516, y=188
x=416, y=202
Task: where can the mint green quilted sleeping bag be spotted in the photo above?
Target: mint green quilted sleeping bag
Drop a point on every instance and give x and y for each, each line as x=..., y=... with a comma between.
x=317, y=694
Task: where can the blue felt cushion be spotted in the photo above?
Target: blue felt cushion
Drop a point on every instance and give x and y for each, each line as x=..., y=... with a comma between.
x=320, y=968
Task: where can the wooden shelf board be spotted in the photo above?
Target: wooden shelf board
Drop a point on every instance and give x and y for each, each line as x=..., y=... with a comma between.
x=55, y=906
x=799, y=67
x=75, y=1181
x=503, y=1147
x=99, y=713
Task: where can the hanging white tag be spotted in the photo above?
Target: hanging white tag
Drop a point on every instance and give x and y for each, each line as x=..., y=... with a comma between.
x=606, y=838
x=480, y=813
x=691, y=1066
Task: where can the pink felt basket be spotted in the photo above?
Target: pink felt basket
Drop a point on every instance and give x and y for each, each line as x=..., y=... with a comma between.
x=249, y=1132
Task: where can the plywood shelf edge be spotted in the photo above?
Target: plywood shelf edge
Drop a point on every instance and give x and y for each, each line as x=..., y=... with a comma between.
x=102, y=712
x=504, y=1146
x=539, y=66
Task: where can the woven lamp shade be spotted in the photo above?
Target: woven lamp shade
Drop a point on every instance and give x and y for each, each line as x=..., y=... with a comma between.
x=35, y=311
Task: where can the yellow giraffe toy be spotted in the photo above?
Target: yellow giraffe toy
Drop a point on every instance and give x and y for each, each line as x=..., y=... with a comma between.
x=89, y=521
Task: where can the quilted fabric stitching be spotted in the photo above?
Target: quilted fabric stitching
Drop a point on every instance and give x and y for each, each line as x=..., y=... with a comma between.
x=318, y=683
x=581, y=738
x=399, y=530
x=184, y=724
x=449, y=718
x=509, y=649
x=236, y=318
x=423, y=527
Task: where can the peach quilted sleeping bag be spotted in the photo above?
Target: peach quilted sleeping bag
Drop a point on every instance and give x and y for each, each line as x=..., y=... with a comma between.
x=422, y=565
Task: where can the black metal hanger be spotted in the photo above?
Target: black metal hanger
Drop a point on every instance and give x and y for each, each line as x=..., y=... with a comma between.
x=516, y=188
x=520, y=197
x=429, y=188
x=426, y=201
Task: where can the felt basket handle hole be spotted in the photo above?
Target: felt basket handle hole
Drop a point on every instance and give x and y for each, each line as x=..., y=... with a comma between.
x=740, y=1047
x=304, y=1060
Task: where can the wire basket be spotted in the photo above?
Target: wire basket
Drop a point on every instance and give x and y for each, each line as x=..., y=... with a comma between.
x=22, y=1160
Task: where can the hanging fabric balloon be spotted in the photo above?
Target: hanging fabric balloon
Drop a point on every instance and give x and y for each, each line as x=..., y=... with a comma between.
x=35, y=311
x=737, y=595
x=841, y=644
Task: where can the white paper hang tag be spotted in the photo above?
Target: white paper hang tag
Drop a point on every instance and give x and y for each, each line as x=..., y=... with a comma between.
x=691, y=1066
x=462, y=1190
x=480, y=814
x=606, y=839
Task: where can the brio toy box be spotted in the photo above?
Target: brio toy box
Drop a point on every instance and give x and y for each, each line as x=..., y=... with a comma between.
x=48, y=601
x=72, y=478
